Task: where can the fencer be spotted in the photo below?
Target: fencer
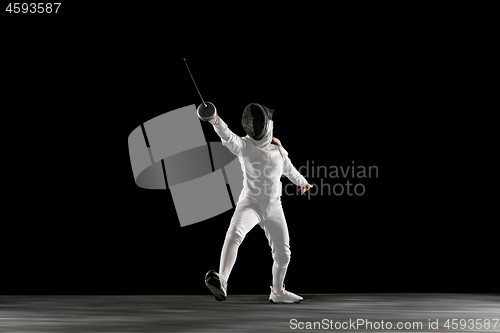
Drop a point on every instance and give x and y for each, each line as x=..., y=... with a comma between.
x=263, y=161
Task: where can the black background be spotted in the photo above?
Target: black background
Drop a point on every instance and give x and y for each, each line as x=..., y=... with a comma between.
x=371, y=89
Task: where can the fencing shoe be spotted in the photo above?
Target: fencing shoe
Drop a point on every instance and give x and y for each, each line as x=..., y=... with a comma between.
x=217, y=285
x=284, y=297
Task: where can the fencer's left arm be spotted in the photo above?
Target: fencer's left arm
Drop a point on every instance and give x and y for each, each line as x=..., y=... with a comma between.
x=291, y=172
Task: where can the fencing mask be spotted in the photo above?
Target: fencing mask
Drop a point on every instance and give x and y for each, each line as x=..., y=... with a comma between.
x=255, y=120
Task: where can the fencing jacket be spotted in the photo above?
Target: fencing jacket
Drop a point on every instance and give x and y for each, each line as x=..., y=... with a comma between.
x=262, y=164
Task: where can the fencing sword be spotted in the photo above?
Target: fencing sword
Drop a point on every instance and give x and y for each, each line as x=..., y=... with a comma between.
x=206, y=111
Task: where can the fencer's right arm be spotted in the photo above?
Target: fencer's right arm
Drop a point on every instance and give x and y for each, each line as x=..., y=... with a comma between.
x=232, y=141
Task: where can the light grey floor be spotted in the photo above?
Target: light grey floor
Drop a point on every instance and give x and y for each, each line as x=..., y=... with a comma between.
x=246, y=313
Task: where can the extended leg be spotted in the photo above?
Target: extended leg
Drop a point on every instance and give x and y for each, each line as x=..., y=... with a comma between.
x=242, y=222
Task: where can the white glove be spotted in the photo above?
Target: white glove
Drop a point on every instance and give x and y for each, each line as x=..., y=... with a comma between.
x=214, y=120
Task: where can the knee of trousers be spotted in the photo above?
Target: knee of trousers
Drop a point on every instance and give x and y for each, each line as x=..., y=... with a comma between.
x=282, y=258
x=235, y=233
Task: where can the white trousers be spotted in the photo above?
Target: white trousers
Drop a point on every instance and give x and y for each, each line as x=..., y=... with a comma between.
x=245, y=217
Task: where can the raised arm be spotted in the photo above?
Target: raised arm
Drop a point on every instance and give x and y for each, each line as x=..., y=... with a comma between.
x=232, y=141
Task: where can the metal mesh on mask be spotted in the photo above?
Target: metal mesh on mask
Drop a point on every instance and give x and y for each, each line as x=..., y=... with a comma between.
x=255, y=120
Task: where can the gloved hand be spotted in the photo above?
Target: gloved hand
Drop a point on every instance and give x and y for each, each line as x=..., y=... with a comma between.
x=214, y=120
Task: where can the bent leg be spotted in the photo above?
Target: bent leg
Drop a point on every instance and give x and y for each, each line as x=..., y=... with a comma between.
x=276, y=232
x=243, y=220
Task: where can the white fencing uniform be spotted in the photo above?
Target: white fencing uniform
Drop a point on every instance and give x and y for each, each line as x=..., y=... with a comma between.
x=262, y=164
